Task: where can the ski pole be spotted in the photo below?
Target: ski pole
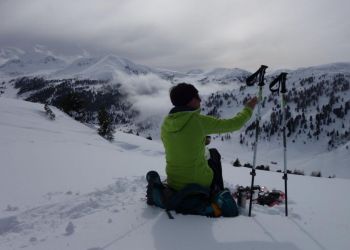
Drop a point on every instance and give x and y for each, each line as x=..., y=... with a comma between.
x=258, y=76
x=280, y=81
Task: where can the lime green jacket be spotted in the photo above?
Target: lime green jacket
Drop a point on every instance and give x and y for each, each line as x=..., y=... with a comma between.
x=183, y=135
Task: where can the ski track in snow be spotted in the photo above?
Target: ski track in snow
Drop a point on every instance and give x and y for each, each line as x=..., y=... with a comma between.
x=47, y=220
x=43, y=223
x=129, y=146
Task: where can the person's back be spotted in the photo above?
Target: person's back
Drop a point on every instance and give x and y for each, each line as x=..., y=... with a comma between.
x=183, y=134
x=184, y=145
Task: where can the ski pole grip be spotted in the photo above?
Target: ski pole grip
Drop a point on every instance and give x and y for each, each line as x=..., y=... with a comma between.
x=254, y=77
x=280, y=81
x=262, y=75
x=273, y=83
x=283, y=82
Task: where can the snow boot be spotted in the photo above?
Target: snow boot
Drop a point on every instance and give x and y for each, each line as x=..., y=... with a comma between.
x=155, y=189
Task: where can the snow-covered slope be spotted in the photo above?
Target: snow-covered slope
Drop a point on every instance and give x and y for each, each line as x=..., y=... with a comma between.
x=64, y=187
x=40, y=154
x=326, y=68
x=313, y=93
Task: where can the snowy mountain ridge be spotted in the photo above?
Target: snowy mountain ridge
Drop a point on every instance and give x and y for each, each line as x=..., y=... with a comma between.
x=137, y=98
x=101, y=68
x=16, y=62
x=19, y=62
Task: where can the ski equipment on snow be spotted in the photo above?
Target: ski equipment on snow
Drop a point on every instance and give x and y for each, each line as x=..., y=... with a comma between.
x=279, y=85
x=261, y=196
x=258, y=76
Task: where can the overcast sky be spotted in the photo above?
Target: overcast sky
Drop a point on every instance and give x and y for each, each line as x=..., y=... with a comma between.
x=187, y=34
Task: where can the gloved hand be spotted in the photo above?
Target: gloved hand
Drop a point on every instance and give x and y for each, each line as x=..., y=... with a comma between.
x=252, y=102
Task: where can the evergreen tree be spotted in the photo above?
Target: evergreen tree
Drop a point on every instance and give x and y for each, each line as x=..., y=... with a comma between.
x=105, y=121
x=50, y=114
x=241, y=140
x=73, y=105
x=316, y=173
x=237, y=163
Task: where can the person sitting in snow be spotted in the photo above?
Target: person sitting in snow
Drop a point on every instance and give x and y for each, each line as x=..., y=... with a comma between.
x=183, y=134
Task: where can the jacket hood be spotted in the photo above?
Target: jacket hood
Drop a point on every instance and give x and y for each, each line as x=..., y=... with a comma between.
x=176, y=120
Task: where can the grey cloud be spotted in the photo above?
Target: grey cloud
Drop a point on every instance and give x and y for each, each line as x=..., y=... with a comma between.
x=187, y=34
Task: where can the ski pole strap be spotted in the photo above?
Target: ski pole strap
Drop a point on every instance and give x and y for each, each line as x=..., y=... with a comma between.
x=279, y=83
x=257, y=76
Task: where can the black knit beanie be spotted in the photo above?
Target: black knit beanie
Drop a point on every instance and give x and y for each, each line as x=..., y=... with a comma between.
x=182, y=94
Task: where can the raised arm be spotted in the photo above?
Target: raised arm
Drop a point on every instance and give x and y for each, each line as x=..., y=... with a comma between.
x=212, y=125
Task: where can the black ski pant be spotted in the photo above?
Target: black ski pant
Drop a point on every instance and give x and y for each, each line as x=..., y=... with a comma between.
x=215, y=164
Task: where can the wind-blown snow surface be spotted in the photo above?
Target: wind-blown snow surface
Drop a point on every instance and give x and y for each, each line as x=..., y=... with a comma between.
x=64, y=187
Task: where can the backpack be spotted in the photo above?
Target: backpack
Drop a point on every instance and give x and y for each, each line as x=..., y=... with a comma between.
x=192, y=199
